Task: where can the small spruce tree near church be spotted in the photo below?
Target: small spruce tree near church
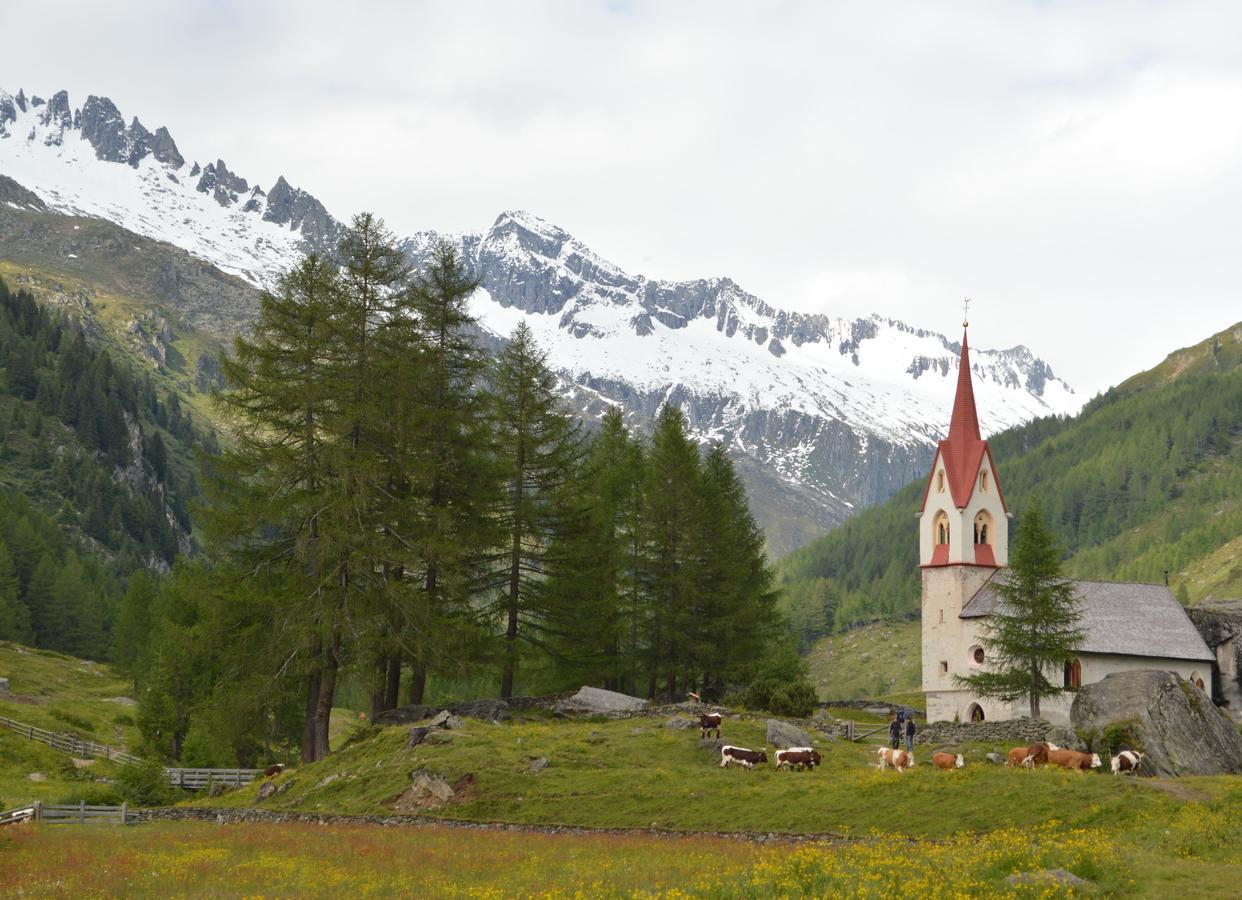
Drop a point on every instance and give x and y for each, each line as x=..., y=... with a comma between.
x=1035, y=627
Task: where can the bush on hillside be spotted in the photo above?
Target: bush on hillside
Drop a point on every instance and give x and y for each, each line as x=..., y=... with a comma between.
x=92, y=793
x=145, y=784
x=787, y=698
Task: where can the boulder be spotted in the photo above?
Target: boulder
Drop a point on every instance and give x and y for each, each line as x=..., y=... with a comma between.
x=782, y=735
x=416, y=736
x=1046, y=878
x=538, y=764
x=1170, y=720
x=440, y=719
x=995, y=759
x=1066, y=739
x=590, y=700
x=712, y=744
x=680, y=722
x=266, y=789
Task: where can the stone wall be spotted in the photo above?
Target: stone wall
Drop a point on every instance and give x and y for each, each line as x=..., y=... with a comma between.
x=1007, y=732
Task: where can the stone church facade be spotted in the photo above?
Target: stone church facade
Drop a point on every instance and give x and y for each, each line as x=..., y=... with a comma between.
x=964, y=547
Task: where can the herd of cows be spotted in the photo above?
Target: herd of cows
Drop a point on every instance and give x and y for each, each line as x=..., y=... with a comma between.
x=1041, y=753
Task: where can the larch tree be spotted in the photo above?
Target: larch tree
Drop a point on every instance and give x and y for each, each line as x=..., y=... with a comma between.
x=538, y=447
x=1034, y=627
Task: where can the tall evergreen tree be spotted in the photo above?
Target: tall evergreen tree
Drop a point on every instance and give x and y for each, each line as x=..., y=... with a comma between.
x=133, y=625
x=14, y=616
x=673, y=472
x=538, y=447
x=1035, y=626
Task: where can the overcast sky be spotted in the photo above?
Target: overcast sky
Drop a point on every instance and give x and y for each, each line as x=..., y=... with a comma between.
x=1075, y=168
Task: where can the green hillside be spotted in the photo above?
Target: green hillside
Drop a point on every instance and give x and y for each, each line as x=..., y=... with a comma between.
x=1147, y=477
x=870, y=662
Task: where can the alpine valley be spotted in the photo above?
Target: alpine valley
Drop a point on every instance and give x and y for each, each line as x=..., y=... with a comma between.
x=823, y=415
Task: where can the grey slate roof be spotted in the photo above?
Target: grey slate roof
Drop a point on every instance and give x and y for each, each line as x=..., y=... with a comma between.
x=1122, y=618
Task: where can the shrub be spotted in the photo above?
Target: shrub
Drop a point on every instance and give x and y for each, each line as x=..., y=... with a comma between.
x=145, y=784
x=122, y=719
x=93, y=794
x=787, y=698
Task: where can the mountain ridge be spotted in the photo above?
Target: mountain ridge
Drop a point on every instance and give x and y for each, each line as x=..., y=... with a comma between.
x=830, y=413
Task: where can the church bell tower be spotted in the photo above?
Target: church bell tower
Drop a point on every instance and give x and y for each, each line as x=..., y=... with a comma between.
x=963, y=541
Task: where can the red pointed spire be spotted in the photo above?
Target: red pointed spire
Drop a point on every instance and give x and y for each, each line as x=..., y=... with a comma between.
x=964, y=426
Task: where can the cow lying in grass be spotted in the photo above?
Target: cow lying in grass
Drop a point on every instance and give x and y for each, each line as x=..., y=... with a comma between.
x=948, y=760
x=898, y=759
x=709, y=721
x=740, y=755
x=1127, y=762
x=1072, y=759
x=798, y=758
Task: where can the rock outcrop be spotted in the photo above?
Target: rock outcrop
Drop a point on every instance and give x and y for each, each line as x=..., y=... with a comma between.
x=597, y=701
x=783, y=735
x=1170, y=720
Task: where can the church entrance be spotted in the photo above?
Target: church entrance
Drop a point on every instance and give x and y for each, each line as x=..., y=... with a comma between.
x=975, y=713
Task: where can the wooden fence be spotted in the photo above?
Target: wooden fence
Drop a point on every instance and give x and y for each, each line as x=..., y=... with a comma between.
x=199, y=779
x=70, y=814
x=67, y=743
x=187, y=779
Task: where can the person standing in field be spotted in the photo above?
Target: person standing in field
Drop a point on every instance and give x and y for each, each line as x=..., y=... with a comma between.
x=894, y=732
x=910, y=733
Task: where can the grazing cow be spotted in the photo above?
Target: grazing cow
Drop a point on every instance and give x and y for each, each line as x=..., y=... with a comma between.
x=1019, y=756
x=1127, y=761
x=898, y=759
x=709, y=721
x=798, y=758
x=948, y=760
x=274, y=769
x=1072, y=759
x=741, y=756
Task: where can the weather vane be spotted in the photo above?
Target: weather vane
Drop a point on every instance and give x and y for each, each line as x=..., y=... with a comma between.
x=966, y=312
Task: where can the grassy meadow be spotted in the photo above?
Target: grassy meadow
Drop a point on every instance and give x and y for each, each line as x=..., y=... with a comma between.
x=872, y=661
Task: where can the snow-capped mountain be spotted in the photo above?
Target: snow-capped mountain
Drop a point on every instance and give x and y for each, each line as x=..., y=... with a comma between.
x=823, y=414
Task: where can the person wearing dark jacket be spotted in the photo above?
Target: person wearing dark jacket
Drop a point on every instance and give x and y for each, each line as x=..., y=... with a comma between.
x=910, y=734
x=894, y=732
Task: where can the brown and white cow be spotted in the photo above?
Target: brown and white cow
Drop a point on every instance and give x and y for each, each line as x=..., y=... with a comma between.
x=898, y=759
x=948, y=760
x=274, y=769
x=1127, y=762
x=798, y=758
x=1019, y=756
x=1072, y=759
x=709, y=721
x=740, y=755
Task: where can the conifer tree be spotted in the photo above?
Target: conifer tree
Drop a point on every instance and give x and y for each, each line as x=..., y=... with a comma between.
x=14, y=616
x=1035, y=626
x=670, y=487
x=538, y=447
x=451, y=477
x=133, y=625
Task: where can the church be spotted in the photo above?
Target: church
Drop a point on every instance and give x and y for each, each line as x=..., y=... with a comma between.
x=963, y=545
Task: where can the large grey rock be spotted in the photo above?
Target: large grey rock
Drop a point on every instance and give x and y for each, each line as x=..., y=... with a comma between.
x=782, y=735
x=1066, y=739
x=4, y=686
x=1170, y=720
x=590, y=700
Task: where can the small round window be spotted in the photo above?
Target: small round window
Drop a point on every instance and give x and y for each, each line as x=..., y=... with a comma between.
x=975, y=656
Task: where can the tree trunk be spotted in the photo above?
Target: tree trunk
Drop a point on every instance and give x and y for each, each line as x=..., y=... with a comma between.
x=418, y=682
x=392, y=689
x=323, y=703
x=1034, y=691
x=312, y=698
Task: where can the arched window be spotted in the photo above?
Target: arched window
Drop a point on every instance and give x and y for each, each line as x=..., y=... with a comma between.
x=1073, y=674
x=983, y=481
x=975, y=713
x=1197, y=681
x=983, y=527
x=940, y=528
x=940, y=482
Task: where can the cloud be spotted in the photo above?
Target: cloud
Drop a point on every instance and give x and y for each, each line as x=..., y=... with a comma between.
x=1073, y=168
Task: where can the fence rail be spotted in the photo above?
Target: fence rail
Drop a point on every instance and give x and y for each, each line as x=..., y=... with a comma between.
x=197, y=779
x=70, y=814
x=67, y=743
x=187, y=779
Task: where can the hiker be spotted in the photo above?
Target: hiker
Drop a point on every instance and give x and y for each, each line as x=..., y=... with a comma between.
x=910, y=734
x=894, y=732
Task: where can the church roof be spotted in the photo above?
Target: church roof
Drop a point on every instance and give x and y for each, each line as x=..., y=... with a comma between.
x=1122, y=618
x=963, y=450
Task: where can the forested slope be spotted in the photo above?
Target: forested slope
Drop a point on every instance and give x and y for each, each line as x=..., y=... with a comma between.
x=1147, y=477
x=96, y=477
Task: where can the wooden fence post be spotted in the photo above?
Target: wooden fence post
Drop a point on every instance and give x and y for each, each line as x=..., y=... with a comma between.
x=81, y=812
x=38, y=810
x=125, y=813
